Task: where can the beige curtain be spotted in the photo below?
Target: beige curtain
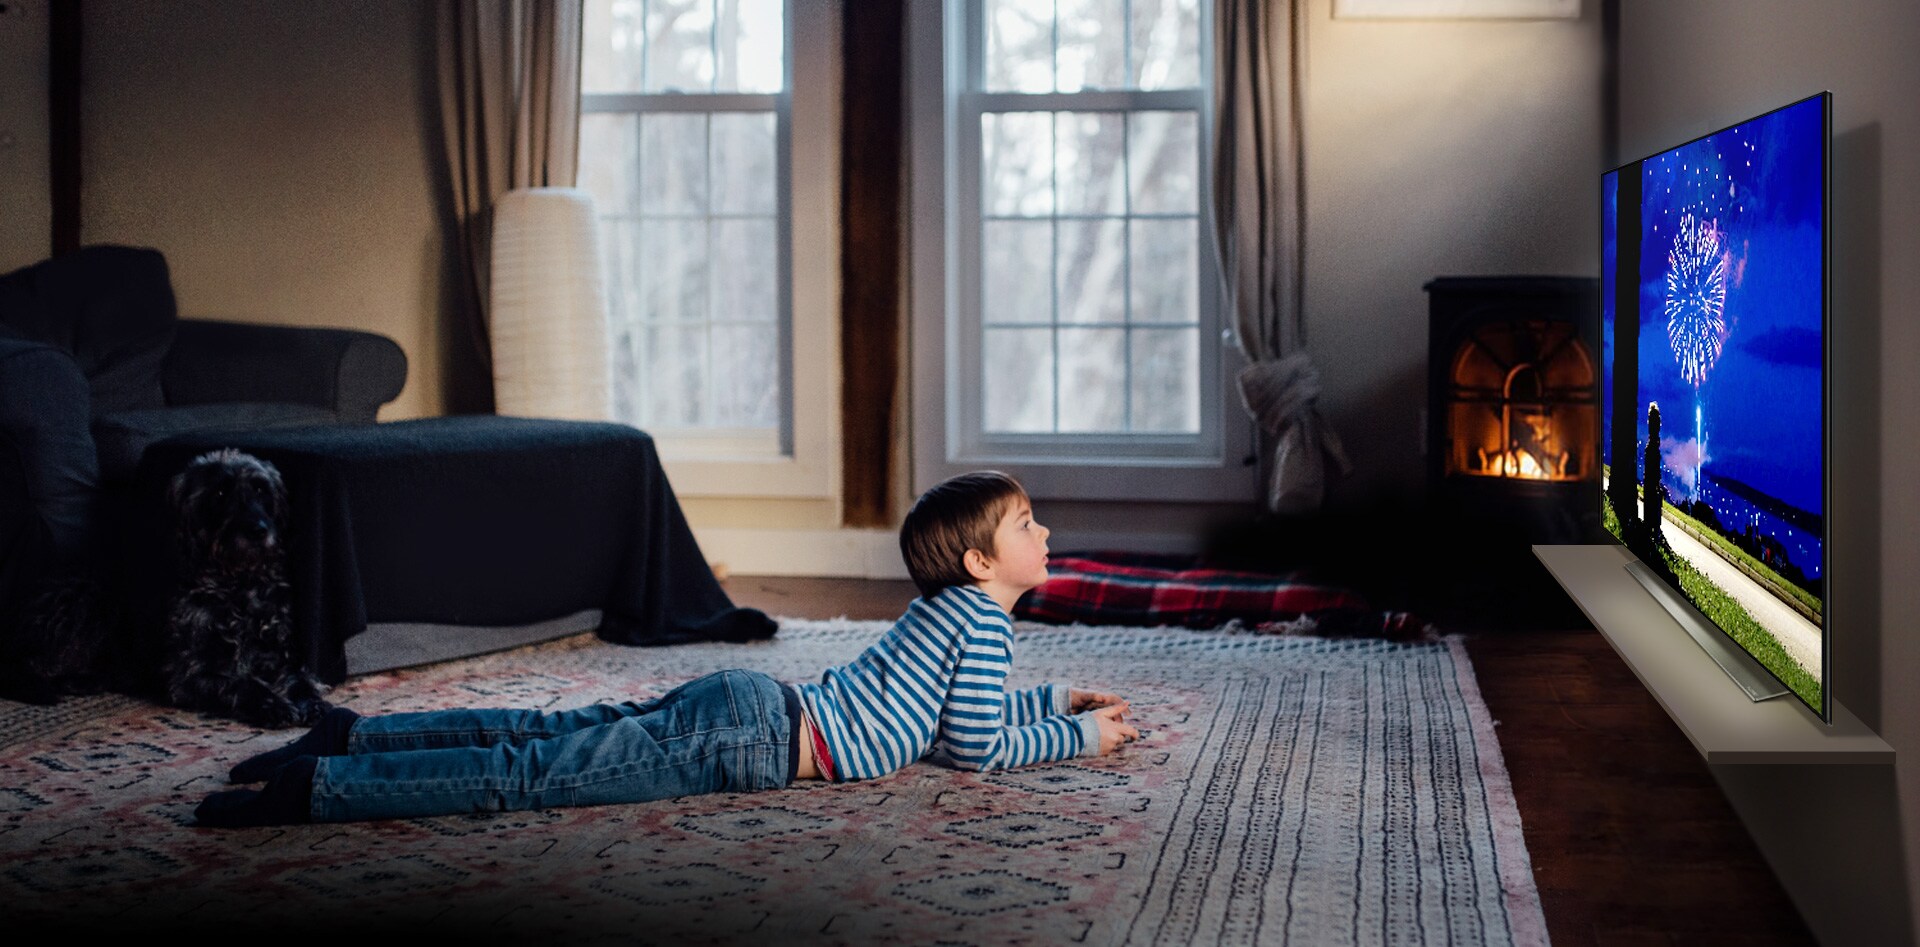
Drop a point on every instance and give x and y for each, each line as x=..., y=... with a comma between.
x=1259, y=205
x=510, y=107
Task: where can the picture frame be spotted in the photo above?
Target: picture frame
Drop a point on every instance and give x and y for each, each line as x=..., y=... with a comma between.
x=1456, y=9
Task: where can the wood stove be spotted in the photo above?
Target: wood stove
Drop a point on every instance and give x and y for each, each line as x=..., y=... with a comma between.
x=1513, y=410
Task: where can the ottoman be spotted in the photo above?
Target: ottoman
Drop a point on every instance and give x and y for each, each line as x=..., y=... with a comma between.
x=469, y=520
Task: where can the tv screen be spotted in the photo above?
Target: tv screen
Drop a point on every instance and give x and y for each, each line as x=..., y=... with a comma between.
x=1714, y=365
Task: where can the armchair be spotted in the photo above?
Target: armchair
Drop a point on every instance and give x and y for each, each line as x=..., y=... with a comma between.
x=95, y=366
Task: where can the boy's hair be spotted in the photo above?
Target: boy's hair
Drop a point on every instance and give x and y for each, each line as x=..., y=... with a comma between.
x=957, y=514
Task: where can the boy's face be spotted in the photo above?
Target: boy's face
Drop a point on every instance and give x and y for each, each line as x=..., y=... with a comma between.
x=1019, y=548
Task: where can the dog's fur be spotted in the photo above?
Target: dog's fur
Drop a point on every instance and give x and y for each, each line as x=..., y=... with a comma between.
x=229, y=627
x=57, y=644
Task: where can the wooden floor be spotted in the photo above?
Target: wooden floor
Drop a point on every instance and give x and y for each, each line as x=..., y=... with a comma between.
x=1631, y=840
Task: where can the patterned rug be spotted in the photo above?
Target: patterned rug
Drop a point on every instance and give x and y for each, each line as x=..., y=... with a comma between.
x=1285, y=790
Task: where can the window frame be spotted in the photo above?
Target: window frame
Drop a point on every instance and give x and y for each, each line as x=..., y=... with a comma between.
x=946, y=88
x=797, y=460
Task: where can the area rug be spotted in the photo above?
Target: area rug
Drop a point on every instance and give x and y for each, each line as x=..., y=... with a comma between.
x=1285, y=790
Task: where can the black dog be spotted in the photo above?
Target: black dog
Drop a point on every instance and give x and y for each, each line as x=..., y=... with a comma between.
x=229, y=628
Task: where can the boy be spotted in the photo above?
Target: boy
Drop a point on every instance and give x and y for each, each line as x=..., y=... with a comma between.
x=932, y=684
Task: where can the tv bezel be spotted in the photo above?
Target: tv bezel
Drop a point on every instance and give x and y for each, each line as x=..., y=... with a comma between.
x=1825, y=711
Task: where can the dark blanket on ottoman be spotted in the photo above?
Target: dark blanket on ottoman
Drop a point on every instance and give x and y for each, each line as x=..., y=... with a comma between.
x=475, y=520
x=1122, y=588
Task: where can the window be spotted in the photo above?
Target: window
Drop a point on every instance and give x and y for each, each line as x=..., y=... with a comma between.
x=687, y=144
x=1078, y=334
x=1089, y=275
x=680, y=126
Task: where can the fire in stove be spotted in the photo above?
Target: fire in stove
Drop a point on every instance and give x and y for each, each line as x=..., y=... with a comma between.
x=1538, y=457
x=1521, y=403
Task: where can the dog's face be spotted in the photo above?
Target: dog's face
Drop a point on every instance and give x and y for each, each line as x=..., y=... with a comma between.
x=229, y=508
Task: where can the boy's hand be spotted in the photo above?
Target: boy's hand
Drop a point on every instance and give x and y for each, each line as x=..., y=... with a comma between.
x=1114, y=732
x=1079, y=700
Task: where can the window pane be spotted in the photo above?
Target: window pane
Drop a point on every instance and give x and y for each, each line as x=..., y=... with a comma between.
x=743, y=156
x=679, y=55
x=612, y=42
x=1093, y=380
x=673, y=271
x=744, y=50
x=1087, y=161
x=1166, y=380
x=1163, y=150
x=627, y=388
x=673, y=163
x=1018, y=163
x=1093, y=44
x=674, y=373
x=1092, y=268
x=1166, y=44
x=1016, y=370
x=1018, y=272
x=609, y=149
x=751, y=43
x=620, y=261
x=745, y=269
x=1019, y=46
x=621, y=255
x=745, y=377
x=1165, y=270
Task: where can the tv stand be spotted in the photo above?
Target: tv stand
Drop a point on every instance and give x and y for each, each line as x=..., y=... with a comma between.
x=1754, y=679
x=1717, y=717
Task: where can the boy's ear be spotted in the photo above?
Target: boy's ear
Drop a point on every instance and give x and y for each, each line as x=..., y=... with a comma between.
x=978, y=565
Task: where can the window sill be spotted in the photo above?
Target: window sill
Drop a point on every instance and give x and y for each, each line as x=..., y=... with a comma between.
x=747, y=477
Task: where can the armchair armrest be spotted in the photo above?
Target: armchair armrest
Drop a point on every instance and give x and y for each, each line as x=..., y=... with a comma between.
x=349, y=372
x=53, y=474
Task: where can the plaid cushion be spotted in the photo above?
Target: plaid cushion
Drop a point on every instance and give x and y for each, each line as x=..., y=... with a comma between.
x=1118, y=588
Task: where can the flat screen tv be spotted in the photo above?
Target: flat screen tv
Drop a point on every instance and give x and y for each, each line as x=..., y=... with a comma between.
x=1714, y=367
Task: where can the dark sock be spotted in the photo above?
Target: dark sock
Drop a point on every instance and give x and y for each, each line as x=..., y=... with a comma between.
x=327, y=738
x=286, y=799
x=739, y=624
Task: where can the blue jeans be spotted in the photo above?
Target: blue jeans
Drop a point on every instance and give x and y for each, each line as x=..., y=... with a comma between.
x=732, y=731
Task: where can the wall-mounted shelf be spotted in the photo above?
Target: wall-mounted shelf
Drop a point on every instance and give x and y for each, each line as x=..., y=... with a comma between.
x=1708, y=707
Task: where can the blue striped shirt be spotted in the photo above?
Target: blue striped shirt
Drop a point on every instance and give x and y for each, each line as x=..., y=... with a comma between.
x=936, y=683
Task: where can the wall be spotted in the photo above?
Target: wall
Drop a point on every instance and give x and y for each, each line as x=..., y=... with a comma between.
x=1844, y=840
x=1434, y=148
x=279, y=154
x=26, y=207
x=282, y=157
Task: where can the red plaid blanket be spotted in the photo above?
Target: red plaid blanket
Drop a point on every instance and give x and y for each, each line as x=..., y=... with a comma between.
x=1116, y=588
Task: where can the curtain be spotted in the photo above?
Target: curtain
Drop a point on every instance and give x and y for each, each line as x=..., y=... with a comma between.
x=509, y=74
x=1259, y=222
